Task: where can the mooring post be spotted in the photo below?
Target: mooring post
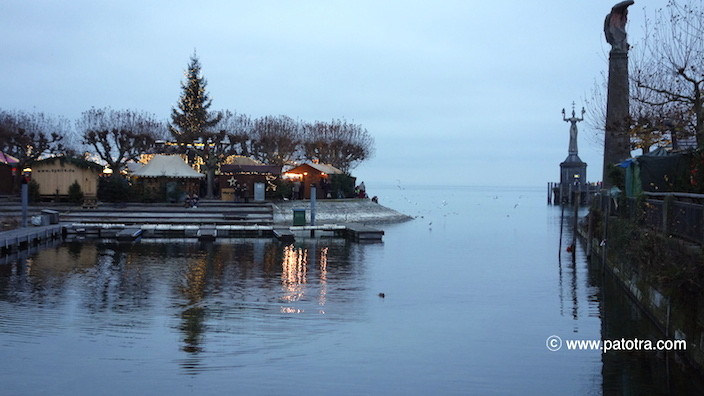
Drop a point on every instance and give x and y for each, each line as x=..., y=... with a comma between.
x=562, y=222
x=312, y=208
x=590, y=220
x=561, y=193
x=667, y=204
x=575, y=224
x=25, y=201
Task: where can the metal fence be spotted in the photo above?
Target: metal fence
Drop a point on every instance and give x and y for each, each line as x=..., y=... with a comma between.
x=686, y=221
x=680, y=215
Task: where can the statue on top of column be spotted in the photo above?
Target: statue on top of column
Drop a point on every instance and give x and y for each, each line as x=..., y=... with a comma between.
x=615, y=26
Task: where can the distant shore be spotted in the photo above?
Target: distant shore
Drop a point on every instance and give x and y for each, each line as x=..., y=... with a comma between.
x=330, y=211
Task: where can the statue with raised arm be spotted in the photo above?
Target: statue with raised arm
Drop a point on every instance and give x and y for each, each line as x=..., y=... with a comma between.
x=573, y=129
x=615, y=26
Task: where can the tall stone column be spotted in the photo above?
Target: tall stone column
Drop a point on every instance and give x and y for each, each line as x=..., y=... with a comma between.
x=616, y=139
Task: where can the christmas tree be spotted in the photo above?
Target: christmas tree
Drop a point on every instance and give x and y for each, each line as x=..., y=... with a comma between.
x=193, y=125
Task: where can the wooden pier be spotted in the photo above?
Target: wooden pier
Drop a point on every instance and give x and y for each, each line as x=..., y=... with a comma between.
x=351, y=231
x=284, y=235
x=13, y=241
x=565, y=193
x=362, y=233
x=207, y=233
x=24, y=238
x=128, y=234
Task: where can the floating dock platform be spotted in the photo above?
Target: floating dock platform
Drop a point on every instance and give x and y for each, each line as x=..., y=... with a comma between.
x=24, y=238
x=122, y=232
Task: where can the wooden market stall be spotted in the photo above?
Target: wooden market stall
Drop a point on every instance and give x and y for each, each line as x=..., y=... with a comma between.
x=56, y=174
x=240, y=179
x=303, y=176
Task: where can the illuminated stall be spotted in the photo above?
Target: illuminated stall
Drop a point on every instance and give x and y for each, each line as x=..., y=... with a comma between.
x=244, y=179
x=303, y=176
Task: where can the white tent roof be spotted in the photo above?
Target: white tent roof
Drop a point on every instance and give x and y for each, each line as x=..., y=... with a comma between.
x=133, y=167
x=167, y=166
x=326, y=168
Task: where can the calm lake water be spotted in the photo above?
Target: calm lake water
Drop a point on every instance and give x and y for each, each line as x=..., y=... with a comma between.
x=473, y=288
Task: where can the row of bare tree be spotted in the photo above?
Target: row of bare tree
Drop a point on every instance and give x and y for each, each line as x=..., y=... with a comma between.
x=121, y=136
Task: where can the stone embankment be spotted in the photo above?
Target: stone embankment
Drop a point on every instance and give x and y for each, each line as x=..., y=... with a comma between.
x=662, y=275
x=332, y=211
x=215, y=213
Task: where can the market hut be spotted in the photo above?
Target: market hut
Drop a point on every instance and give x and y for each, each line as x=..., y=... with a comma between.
x=167, y=177
x=56, y=174
x=309, y=174
x=8, y=169
x=252, y=177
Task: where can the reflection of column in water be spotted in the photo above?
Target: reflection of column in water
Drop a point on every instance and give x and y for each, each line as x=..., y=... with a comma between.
x=258, y=251
x=562, y=288
x=575, y=301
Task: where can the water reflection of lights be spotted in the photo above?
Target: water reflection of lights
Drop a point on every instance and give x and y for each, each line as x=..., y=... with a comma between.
x=195, y=280
x=294, y=276
x=323, y=276
x=294, y=272
x=290, y=310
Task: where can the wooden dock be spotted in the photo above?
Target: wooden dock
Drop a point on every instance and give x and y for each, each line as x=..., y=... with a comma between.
x=351, y=231
x=362, y=233
x=23, y=238
x=207, y=233
x=128, y=234
x=284, y=235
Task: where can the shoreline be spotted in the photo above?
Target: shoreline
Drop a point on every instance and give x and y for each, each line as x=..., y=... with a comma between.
x=339, y=211
x=330, y=211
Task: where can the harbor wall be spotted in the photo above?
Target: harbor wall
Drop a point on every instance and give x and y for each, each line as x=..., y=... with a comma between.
x=662, y=275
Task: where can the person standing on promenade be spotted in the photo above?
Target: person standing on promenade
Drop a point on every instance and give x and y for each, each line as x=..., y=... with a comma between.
x=296, y=190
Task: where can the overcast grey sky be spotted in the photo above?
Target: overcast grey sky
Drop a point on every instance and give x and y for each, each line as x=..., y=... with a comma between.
x=454, y=92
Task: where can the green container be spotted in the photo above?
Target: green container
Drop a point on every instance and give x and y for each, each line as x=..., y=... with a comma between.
x=299, y=217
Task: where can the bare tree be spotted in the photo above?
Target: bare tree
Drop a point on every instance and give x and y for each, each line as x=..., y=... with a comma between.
x=650, y=122
x=29, y=136
x=275, y=140
x=119, y=136
x=669, y=69
x=238, y=133
x=228, y=137
x=339, y=143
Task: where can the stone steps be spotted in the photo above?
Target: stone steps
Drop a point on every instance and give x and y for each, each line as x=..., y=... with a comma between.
x=214, y=213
